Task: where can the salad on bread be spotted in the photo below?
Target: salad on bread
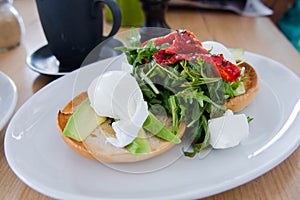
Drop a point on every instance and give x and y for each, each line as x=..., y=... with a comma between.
x=170, y=86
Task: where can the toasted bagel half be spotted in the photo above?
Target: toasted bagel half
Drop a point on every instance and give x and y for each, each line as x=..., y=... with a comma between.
x=251, y=85
x=95, y=146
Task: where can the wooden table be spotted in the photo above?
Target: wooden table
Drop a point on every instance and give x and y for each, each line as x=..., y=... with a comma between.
x=257, y=35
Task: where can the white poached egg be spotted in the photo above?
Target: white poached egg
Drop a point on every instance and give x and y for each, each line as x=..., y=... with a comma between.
x=116, y=94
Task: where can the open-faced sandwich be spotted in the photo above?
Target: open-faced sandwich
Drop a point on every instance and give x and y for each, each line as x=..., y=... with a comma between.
x=173, y=85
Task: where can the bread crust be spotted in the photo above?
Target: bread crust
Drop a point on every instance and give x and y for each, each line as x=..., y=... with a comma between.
x=95, y=147
x=251, y=85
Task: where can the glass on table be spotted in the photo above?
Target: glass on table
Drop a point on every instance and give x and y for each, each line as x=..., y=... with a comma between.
x=11, y=26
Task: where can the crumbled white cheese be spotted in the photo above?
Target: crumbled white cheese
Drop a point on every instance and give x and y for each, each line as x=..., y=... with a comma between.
x=116, y=94
x=228, y=130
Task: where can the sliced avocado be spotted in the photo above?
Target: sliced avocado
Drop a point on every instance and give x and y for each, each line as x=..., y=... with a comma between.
x=154, y=126
x=239, y=90
x=83, y=122
x=139, y=145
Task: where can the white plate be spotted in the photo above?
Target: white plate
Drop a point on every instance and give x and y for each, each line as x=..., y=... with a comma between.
x=39, y=157
x=8, y=98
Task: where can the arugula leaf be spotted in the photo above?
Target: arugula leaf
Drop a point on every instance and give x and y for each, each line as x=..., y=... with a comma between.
x=249, y=119
x=188, y=91
x=135, y=38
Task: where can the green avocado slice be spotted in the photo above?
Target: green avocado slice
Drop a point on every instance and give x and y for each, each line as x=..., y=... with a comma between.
x=139, y=145
x=156, y=127
x=83, y=122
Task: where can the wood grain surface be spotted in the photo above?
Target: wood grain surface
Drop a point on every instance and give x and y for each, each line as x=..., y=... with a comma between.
x=258, y=35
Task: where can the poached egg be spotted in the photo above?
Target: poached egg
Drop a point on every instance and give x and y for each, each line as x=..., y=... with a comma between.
x=116, y=94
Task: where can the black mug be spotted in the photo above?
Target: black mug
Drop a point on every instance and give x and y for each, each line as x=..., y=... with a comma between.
x=74, y=27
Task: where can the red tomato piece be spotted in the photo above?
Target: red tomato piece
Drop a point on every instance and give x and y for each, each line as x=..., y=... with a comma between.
x=185, y=46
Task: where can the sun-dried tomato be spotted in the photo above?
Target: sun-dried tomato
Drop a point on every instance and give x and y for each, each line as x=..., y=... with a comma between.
x=164, y=58
x=168, y=39
x=185, y=46
x=225, y=69
x=185, y=42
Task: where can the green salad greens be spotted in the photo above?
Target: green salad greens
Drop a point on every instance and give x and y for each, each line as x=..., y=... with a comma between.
x=189, y=90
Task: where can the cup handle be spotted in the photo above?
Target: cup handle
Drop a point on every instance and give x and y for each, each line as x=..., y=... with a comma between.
x=116, y=14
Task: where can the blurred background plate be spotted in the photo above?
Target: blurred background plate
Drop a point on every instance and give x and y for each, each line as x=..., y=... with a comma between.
x=8, y=98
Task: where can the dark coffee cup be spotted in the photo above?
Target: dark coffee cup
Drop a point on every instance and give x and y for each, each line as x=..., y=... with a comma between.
x=74, y=27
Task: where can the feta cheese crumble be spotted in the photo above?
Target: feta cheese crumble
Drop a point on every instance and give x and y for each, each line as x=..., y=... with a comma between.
x=228, y=130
